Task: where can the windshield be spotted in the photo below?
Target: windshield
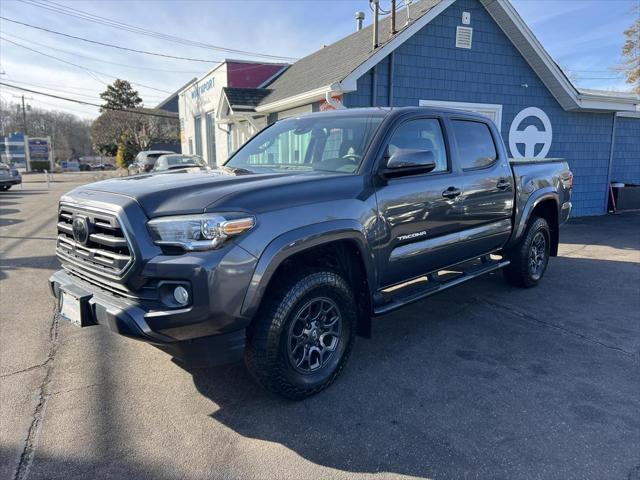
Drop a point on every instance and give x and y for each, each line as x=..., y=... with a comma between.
x=169, y=162
x=331, y=143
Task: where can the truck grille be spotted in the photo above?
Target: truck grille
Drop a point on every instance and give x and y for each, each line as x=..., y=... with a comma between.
x=105, y=250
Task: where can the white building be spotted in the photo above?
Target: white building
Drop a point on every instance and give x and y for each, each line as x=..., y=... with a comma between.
x=201, y=133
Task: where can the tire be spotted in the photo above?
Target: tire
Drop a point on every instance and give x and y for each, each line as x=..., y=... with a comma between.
x=530, y=257
x=5, y=187
x=290, y=350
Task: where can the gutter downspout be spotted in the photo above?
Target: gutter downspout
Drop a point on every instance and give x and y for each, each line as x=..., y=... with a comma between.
x=391, y=74
x=611, y=151
x=374, y=86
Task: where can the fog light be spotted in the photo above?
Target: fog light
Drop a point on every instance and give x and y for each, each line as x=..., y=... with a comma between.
x=181, y=295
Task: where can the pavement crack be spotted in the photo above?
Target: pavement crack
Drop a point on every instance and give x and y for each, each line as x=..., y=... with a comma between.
x=28, y=451
x=531, y=318
x=75, y=389
x=24, y=370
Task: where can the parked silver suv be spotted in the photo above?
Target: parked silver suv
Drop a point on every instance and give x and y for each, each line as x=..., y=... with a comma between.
x=146, y=160
x=8, y=177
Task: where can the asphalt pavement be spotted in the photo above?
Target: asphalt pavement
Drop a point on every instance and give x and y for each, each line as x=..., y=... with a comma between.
x=482, y=381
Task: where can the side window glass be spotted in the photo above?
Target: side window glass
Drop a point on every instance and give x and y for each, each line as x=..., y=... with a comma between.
x=474, y=143
x=422, y=134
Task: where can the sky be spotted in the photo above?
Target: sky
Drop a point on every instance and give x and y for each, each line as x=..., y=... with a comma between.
x=584, y=36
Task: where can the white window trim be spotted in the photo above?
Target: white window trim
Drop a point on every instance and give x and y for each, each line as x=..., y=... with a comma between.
x=467, y=106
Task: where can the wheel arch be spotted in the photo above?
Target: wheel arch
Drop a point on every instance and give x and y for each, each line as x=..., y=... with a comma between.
x=340, y=244
x=544, y=203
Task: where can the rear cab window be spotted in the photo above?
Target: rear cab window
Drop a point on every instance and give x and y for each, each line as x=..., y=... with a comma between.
x=475, y=145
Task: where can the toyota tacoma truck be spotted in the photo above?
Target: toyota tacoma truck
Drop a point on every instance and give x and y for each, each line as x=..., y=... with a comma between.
x=317, y=224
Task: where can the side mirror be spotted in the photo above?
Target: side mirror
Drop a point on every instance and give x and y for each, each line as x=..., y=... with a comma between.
x=409, y=162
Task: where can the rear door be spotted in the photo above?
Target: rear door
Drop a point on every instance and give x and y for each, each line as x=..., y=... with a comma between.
x=488, y=185
x=421, y=213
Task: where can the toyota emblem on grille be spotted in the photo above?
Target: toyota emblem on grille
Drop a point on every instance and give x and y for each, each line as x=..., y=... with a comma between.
x=80, y=229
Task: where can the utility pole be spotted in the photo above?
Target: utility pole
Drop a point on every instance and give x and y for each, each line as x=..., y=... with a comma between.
x=25, y=107
x=24, y=117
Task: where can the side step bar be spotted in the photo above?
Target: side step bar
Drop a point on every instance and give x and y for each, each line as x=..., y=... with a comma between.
x=387, y=301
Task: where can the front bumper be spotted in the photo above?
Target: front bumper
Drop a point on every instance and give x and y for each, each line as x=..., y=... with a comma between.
x=130, y=318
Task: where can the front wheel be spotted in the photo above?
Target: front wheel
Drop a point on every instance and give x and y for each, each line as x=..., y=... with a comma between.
x=303, y=334
x=4, y=188
x=529, y=258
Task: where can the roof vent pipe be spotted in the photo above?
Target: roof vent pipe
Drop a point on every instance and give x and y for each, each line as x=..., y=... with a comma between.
x=359, y=20
x=376, y=17
x=393, y=18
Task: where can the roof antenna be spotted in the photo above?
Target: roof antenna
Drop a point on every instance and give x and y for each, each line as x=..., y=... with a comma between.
x=408, y=4
x=376, y=16
x=359, y=20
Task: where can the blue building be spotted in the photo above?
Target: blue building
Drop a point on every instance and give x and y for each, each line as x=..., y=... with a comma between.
x=475, y=55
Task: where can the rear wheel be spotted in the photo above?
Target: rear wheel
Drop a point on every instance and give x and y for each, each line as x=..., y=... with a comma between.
x=530, y=257
x=303, y=334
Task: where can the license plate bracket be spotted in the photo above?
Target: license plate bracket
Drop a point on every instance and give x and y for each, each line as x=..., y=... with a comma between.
x=73, y=307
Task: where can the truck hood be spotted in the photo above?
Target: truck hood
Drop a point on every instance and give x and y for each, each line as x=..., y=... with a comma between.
x=183, y=192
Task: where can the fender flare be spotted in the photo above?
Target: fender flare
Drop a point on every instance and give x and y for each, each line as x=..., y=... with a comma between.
x=296, y=241
x=522, y=218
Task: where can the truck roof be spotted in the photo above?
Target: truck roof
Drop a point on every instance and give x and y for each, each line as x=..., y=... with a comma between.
x=395, y=111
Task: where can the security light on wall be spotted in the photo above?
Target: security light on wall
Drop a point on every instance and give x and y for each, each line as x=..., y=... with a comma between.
x=466, y=18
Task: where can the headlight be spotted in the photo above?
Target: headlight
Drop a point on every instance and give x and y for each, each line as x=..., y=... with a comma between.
x=199, y=232
x=15, y=173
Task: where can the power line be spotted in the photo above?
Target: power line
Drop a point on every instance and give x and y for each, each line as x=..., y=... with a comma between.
x=243, y=69
x=66, y=88
x=89, y=71
x=108, y=44
x=82, y=102
x=73, y=12
x=93, y=97
x=100, y=60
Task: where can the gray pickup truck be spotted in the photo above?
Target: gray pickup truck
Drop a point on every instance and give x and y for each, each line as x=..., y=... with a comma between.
x=317, y=224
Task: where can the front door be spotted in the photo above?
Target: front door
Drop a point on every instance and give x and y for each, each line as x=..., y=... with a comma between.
x=421, y=213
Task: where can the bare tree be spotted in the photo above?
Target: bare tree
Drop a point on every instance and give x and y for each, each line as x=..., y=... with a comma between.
x=69, y=133
x=136, y=129
x=631, y=52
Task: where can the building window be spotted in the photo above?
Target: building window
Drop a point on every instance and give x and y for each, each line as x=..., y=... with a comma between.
x=229, y=140
x=198, y=128
x=211, y=139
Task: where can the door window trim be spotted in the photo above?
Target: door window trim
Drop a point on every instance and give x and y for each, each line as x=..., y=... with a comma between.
x=469, y=107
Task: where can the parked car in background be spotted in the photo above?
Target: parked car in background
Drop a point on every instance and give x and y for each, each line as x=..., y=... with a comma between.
x=103, y=166
x=9, y=177
x=192, y=163
x=146, y=160
x=311, y=228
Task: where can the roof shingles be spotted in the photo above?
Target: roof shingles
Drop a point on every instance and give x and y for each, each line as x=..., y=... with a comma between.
x=335, y=62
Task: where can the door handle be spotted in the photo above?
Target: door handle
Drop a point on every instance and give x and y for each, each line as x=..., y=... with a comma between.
x=451, y=192
x=503, y=184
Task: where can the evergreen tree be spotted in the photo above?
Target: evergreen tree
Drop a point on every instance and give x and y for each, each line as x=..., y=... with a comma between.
x=120, y=95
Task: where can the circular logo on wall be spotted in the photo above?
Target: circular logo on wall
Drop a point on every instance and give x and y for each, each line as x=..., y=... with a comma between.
x=80, y=228
x=530, y=136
